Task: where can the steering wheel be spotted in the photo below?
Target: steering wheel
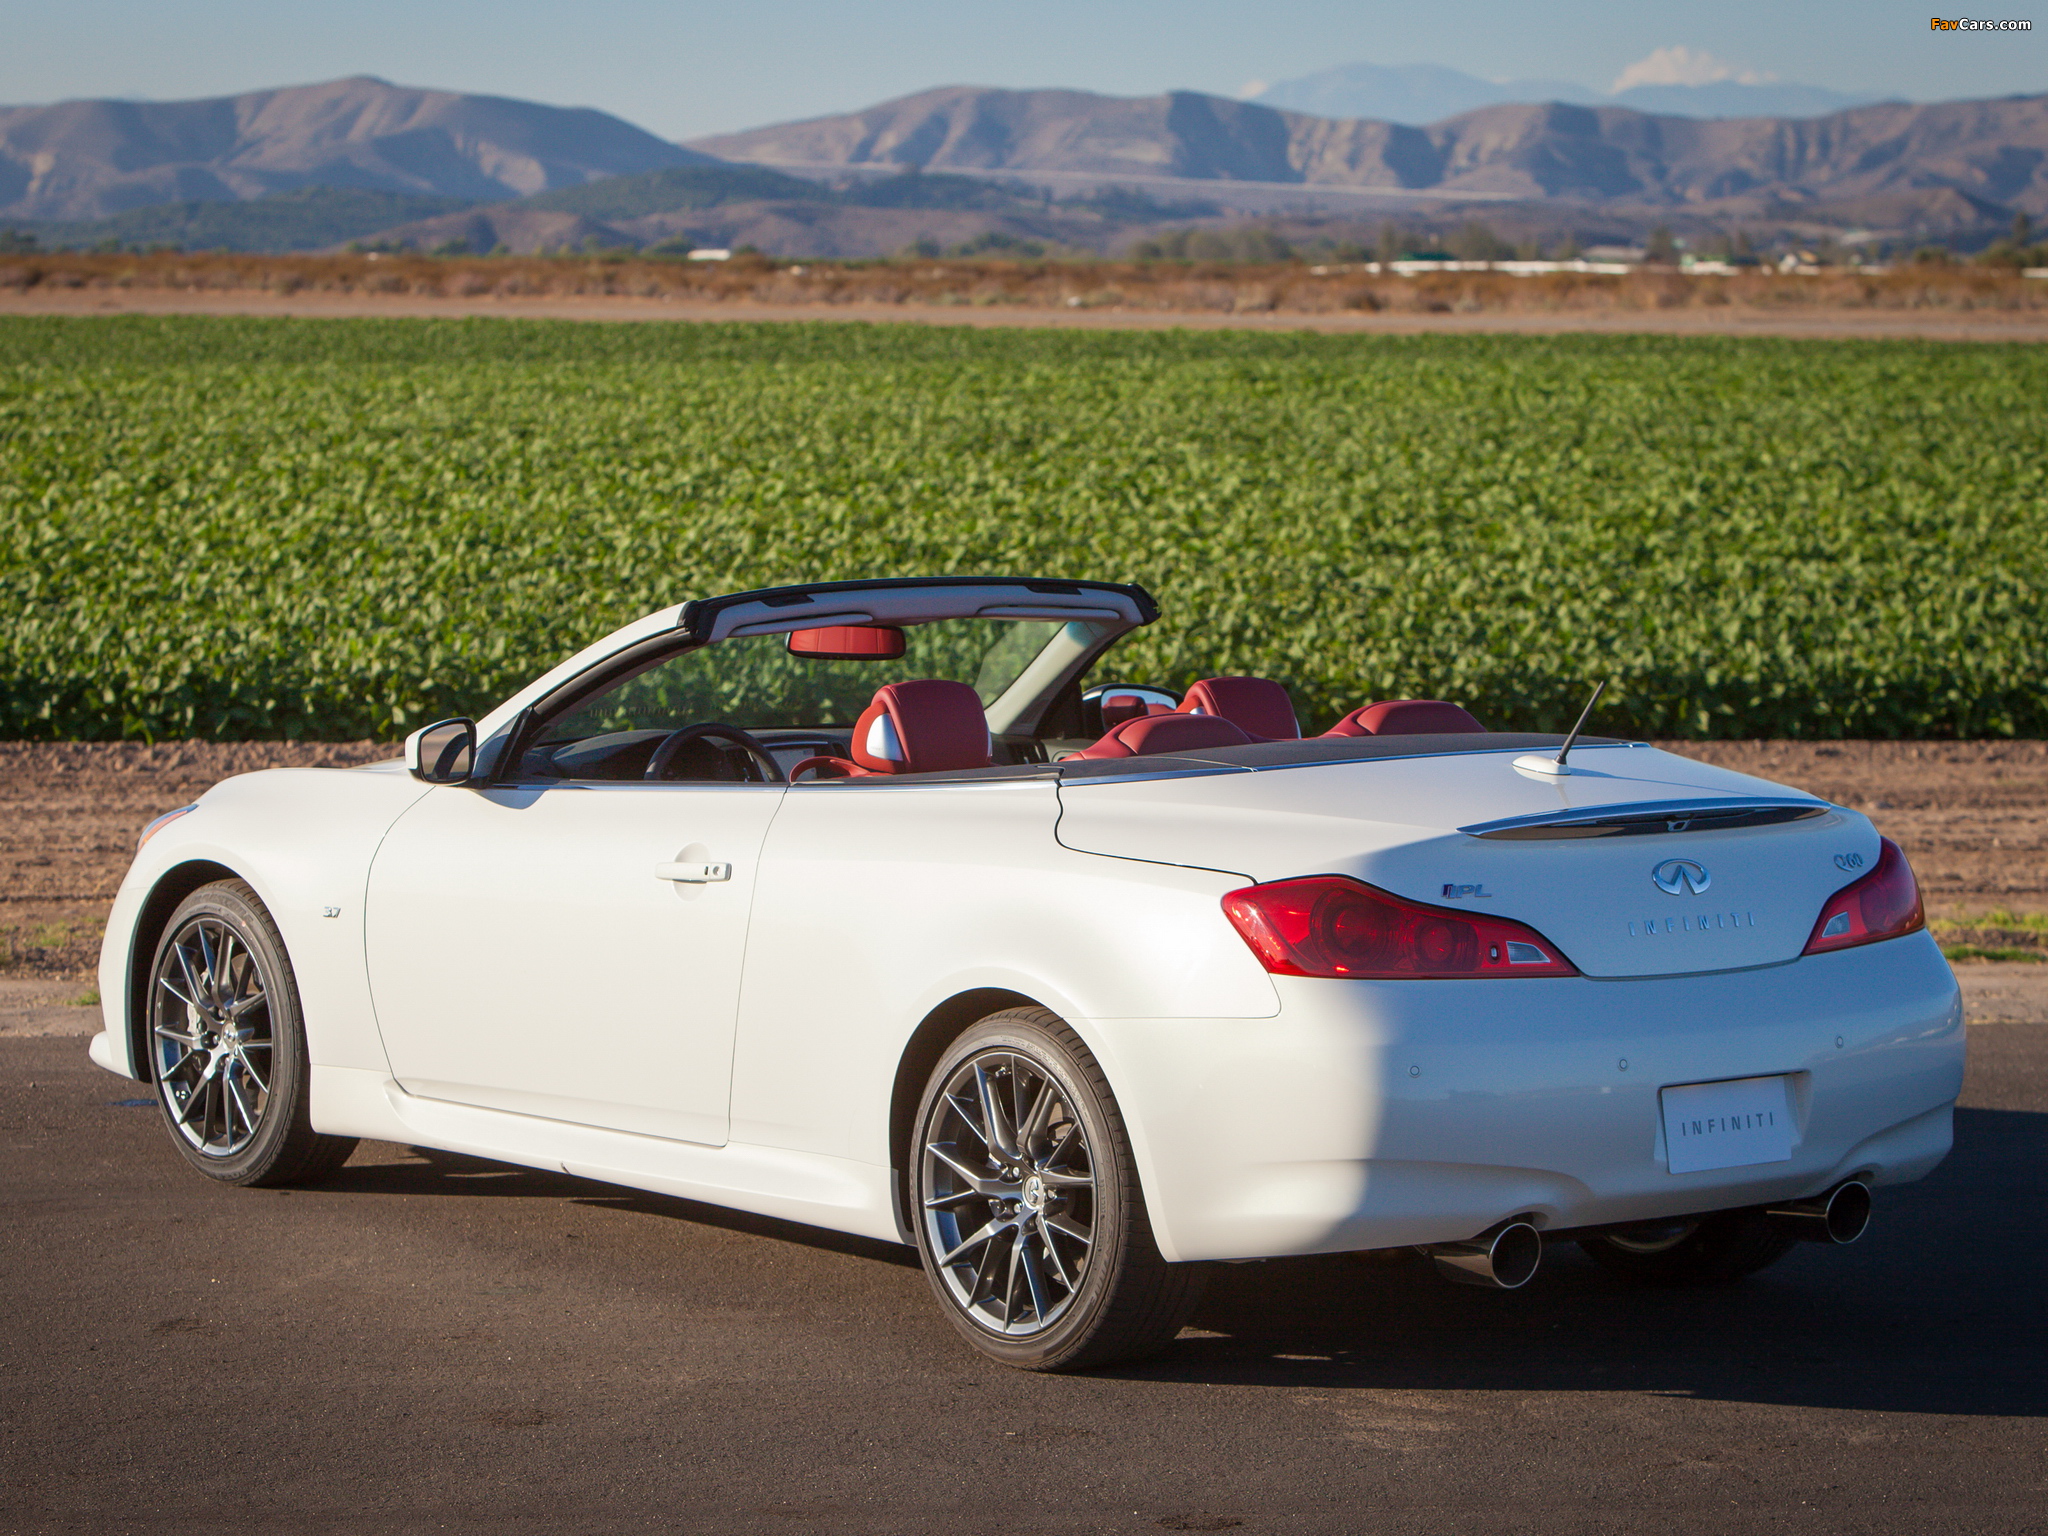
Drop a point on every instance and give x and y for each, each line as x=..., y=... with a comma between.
x=710, y=730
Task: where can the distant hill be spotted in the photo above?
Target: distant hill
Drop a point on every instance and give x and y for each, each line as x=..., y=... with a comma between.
x=308, y=219
x=1733, y=98
x=685, y=186
x=1991, y=153
x=1409, y=93
x=81, y=160
x=1419, y=94
x=699, y=204
x=717, y=205
x=969, y=129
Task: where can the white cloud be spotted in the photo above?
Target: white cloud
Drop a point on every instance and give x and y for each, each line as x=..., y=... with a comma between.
x=1253, y=88
x=1684, y=66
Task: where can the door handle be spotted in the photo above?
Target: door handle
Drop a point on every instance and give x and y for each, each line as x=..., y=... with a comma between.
x=693, y=874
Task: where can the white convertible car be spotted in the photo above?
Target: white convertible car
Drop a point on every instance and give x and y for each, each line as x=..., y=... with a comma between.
x=874, y=905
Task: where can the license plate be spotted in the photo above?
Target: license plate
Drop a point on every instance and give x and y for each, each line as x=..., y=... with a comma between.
x=1728, y=1125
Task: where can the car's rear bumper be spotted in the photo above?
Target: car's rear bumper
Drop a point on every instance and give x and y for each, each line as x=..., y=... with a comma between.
x=1377, y=1114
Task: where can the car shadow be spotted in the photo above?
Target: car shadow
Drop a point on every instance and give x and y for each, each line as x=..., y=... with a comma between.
x=430, y=1171
x=1937, y=1310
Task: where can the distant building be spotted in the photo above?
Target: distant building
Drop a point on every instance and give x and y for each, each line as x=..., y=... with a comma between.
x=1424, y=268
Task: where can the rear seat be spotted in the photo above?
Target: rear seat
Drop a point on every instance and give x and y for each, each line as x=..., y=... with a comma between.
x=1406, y=717
x=1257, y=706
x=1149, y=735
x=1233, y=711
x=1262, y=710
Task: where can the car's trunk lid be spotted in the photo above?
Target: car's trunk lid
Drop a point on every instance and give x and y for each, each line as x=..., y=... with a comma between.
x=1641, y=863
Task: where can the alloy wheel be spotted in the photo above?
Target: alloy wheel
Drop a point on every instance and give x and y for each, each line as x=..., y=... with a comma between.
x=212, y=1037
x=1008, y=1183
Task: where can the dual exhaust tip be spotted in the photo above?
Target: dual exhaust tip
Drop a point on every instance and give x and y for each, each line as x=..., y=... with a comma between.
x=1840, y=1216
x=1506, y=1256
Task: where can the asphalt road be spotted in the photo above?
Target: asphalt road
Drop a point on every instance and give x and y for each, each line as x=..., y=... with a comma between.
x=431, y=1343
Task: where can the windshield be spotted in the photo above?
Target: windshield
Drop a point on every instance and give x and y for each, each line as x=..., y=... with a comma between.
x=755, y=682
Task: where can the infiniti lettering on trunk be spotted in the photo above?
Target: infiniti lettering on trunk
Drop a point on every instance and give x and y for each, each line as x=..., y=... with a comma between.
x=1689, y=922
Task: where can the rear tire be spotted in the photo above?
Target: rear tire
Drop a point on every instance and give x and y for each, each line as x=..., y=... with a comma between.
x=1027, y=1208
x=1714, y=1250
x=227, y=1045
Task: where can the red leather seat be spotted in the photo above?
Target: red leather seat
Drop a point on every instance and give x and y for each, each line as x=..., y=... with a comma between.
x=1406, y=717
x=1149, y=735
x=1255, y=705
x=929, y=726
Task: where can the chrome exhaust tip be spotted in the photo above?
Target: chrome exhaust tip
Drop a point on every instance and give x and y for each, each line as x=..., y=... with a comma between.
x=1502, y=1258
x=1840, y=1216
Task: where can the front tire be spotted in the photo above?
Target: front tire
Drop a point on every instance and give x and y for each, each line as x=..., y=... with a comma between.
x=1712, y=1250
x=227, y=1044
x=1027, y=1208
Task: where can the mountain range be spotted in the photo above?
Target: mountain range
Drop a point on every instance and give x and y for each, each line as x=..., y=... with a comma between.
x=313, y=166
x=1992, y=154
x=90, y=159
x=1419, y=94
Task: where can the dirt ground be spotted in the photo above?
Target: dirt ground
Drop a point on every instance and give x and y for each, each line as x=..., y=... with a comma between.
x=1972, y=815
x=69, y=816
x=1954, y=302
x=1725, y=320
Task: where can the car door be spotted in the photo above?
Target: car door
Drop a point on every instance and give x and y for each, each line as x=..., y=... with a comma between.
x=569, y=950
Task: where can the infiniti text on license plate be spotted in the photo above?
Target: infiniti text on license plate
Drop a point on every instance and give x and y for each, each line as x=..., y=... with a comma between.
x=1728, y=1125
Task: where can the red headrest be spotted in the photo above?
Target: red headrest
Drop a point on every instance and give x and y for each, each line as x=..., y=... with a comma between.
x=1152, y=734
x=927, y=726
x=1406, y=717
x=1253, y=704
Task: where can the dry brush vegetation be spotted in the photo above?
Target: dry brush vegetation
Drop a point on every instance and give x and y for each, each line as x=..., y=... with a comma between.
x=1167, y=287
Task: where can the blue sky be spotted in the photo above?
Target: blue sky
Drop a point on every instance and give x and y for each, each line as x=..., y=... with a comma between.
x=682, y=68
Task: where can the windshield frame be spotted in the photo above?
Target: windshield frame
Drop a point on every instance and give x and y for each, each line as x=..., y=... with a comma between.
x=704, y=619
x=1047, y=675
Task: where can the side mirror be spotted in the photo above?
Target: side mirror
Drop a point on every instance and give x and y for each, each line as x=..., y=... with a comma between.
x=441, y=753
x=1108, y=705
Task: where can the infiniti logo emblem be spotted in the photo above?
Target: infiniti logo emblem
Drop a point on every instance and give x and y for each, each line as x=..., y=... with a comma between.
x=1674, y=877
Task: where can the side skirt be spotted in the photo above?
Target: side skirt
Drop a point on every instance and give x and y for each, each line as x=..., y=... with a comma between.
x=831, y=1192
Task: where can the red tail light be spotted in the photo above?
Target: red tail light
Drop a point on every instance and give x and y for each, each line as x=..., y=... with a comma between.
x=1326, y=925
x=1882, y=905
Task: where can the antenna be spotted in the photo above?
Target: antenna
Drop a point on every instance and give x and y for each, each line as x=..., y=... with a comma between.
x=1569, y=740
x=1556, y=765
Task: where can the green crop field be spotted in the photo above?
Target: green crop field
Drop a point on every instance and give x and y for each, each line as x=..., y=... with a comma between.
x=243, y=528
